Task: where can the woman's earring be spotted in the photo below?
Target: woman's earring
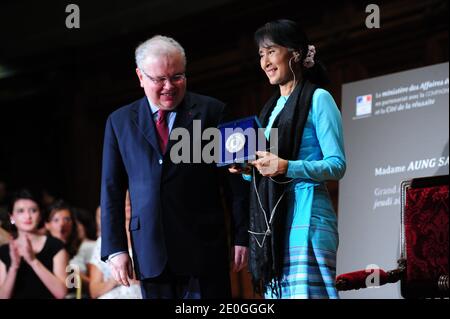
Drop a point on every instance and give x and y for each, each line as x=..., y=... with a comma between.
x=12, y=221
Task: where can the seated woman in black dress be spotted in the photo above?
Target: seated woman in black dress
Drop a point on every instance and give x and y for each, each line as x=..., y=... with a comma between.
x=31, y=265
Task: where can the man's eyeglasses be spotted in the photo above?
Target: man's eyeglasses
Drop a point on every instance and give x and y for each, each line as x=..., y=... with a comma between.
x=161, y=80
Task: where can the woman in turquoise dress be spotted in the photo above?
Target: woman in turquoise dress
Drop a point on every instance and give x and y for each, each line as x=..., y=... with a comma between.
x=293, y=225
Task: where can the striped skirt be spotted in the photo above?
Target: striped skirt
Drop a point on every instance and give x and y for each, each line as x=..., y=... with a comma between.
x=311, y=233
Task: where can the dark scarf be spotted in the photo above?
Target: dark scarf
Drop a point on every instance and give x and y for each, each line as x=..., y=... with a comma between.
x=266, y=263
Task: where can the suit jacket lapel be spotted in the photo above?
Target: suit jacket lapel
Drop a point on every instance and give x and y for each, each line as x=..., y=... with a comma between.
x=145, y=123
x=186, y=113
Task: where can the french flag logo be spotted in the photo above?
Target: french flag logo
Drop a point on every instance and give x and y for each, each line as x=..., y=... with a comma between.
x=364, y=105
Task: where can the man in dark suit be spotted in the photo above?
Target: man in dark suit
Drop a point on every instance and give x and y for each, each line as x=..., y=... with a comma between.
x=178, y=231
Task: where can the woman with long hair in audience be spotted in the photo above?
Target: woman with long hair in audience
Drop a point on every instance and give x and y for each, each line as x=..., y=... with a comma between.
x=31, y=265
x=62, y=224
x=87, y=234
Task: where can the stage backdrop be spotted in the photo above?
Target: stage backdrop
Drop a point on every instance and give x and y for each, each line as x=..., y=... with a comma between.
x=396, y=127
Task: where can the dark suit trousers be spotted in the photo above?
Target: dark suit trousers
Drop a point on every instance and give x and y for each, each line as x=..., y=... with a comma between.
x=172, y=286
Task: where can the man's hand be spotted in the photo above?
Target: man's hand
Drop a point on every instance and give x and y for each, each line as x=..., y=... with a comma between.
x=239, y=169
x=121, y=268
x=240, y=255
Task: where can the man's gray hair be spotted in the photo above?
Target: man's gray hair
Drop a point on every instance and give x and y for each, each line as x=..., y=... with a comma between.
x=157, y=46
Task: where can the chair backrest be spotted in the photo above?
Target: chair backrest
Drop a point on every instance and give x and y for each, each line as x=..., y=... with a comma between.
x=425, y=237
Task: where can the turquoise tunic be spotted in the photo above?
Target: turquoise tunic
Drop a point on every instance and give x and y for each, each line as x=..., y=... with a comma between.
x=311, y=231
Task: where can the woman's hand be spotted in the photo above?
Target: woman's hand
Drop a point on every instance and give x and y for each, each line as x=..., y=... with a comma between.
x=239, y=169
x=112, y=283
x=26, y=250
x=14, y=255
x=270, y=165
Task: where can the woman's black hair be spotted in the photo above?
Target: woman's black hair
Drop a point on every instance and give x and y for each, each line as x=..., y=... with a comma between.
x=289, y=34
x=87, y=220
x=73, y=241
x=22, y=194
x=285, y=33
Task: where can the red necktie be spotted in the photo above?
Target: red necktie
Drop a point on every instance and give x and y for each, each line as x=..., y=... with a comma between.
x=162, y=129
